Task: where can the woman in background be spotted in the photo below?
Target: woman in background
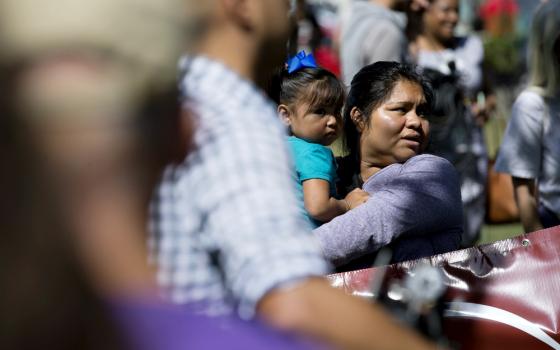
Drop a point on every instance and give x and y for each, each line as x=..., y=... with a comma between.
x=530, y=150
x=454, y=65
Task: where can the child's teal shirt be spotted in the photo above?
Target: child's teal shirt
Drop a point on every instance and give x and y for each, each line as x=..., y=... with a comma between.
x=312, y=161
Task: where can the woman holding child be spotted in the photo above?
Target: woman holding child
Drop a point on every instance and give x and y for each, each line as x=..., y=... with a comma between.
x=414, y=202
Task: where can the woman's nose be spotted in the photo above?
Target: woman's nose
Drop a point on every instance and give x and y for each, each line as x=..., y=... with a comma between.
x=413, y=120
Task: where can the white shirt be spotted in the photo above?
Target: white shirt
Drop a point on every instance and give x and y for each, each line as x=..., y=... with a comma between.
x=531, y=145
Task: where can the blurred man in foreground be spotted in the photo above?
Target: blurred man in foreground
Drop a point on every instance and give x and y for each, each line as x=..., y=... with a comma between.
x=89, y=116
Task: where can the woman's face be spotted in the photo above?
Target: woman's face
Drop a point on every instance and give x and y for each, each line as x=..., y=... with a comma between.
x=397, y=128
x=440, y=19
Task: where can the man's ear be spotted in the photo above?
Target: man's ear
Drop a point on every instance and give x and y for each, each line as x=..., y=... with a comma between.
x=238, y=11
x=358, y=119
x=285, y=114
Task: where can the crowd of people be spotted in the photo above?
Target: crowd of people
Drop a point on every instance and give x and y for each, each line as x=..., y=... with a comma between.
x=139, y=213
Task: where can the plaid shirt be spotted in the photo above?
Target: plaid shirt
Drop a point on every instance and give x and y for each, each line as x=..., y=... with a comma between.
x=225, y=225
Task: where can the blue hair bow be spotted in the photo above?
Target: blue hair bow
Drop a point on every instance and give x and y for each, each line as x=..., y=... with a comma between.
x=300, y=61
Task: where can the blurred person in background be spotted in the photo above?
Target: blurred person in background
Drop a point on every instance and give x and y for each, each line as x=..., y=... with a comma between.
x=454, y=64
x=89, y=118
x=530, y=150
x=306, y=34
x=227, y=233
x=316, y=32
x=374, y=31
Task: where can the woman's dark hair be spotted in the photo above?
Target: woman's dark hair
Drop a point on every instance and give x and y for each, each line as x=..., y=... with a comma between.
x=311, y=85
x=370, y=87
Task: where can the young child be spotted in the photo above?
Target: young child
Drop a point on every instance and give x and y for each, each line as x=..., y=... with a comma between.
x=310, y=101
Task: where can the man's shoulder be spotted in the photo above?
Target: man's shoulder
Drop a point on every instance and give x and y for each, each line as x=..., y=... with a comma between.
x=213, y=90
x=382, y=15
x=366, y=17
x=250, y=115
x=366, y=9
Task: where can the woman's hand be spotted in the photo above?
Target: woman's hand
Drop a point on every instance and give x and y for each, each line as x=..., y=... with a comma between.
x=356, y=198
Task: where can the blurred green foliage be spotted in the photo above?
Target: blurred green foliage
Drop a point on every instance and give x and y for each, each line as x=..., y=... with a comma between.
x=503, y=54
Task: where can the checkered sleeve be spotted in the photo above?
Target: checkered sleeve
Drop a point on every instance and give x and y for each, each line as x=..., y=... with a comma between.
x=254, y=219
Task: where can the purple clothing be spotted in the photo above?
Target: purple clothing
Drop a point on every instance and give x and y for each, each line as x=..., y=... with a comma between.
x=416, y=206
x=155, y=326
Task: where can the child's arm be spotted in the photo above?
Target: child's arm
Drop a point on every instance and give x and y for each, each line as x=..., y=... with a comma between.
x=322, y=207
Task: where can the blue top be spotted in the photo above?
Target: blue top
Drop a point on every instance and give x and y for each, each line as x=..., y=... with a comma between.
x=312, y=161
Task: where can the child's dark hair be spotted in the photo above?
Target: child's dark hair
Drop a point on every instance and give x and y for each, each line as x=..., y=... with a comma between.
x=370, y=87
x=313, y=86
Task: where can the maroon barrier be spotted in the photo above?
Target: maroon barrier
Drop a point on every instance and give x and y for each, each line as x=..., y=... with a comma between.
x=504, y=295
